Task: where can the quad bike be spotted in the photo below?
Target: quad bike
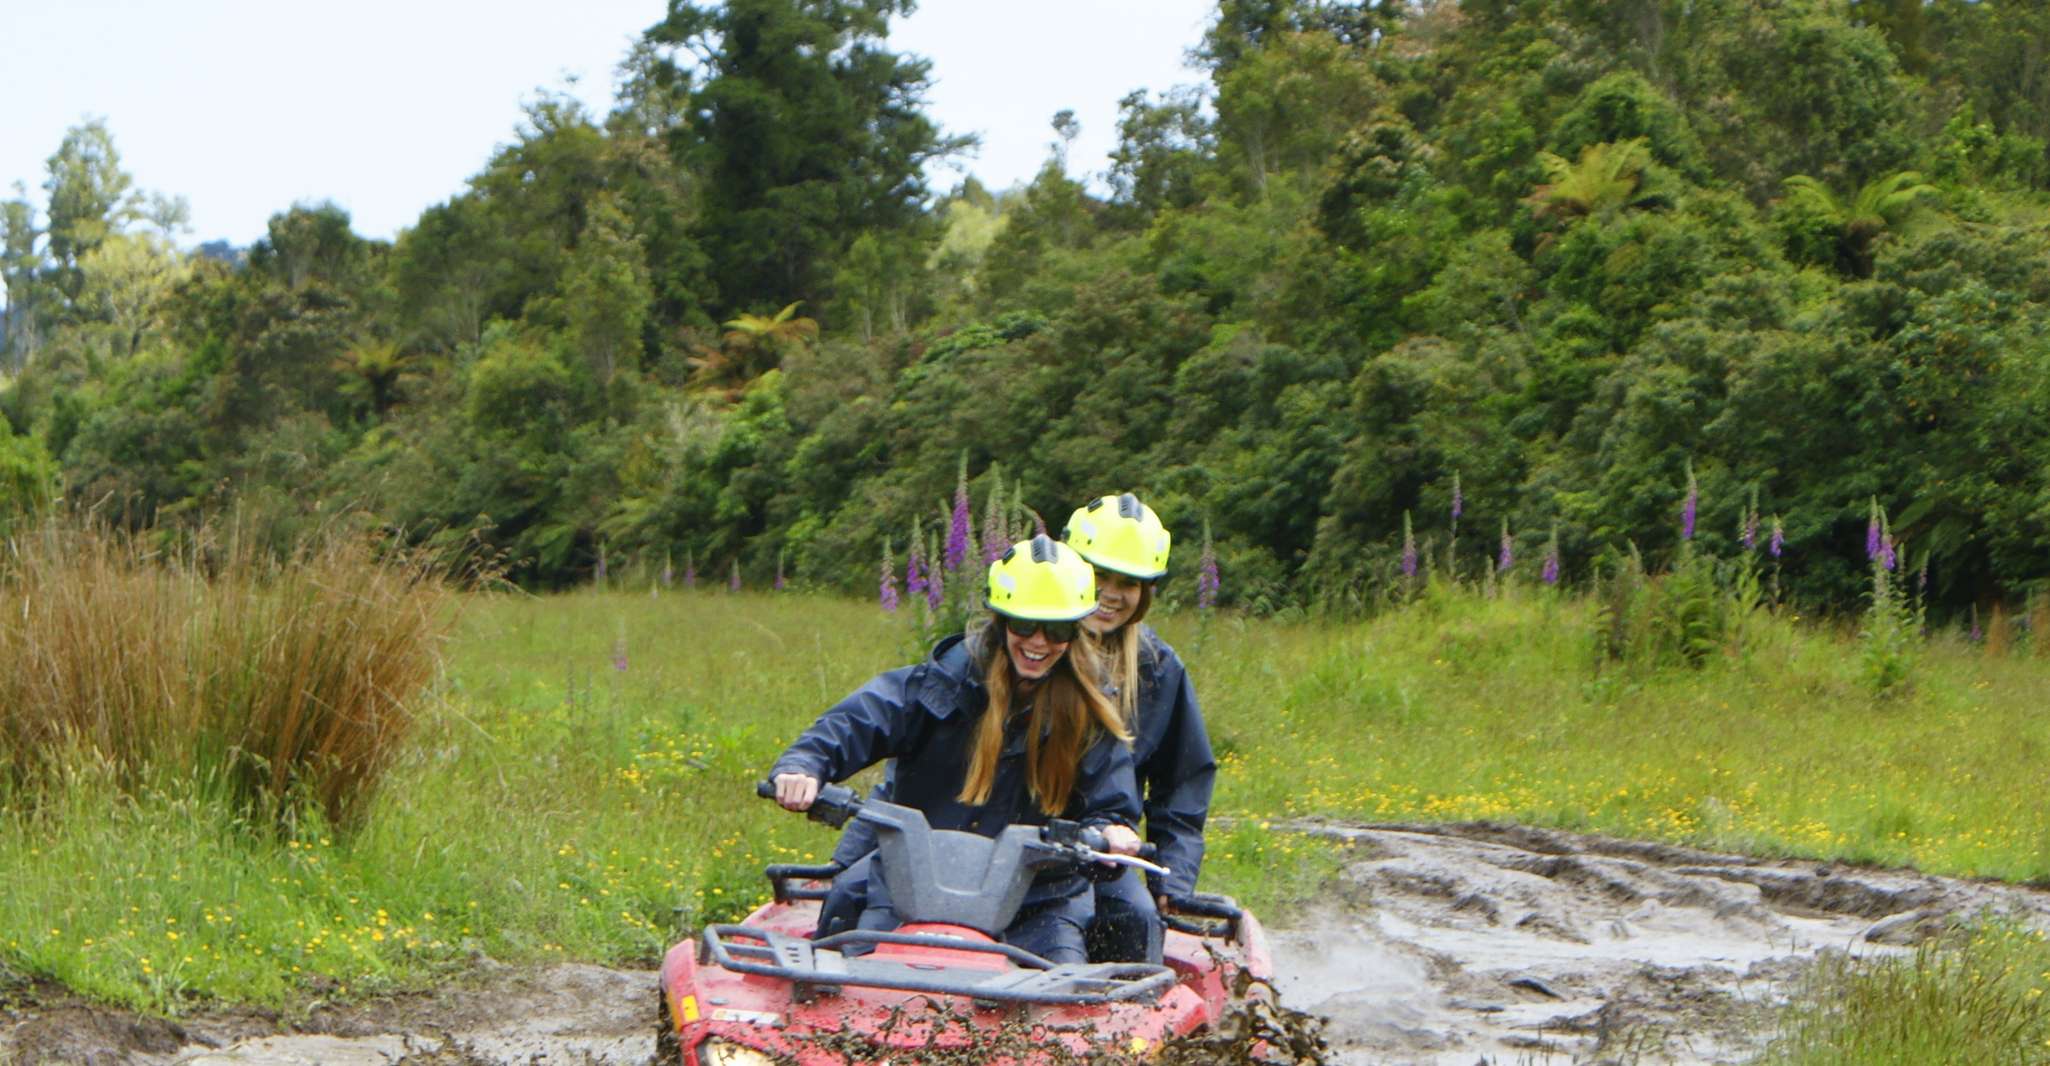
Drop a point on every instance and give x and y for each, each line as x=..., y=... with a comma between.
x=941, y=987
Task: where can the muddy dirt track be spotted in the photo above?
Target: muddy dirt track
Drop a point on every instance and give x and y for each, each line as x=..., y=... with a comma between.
x=1468, y=945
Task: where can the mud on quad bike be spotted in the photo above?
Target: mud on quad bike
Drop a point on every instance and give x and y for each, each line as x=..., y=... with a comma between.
x=766, y=991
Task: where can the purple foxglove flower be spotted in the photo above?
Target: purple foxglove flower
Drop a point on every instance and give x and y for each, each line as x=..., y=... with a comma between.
x=1408, y=547
x=668, y=571
x=887, y=589
x=779, y=572
x=1750, y=537
x=1507, y=557
x=1206, y=572
x=1550, y=573
x=957, y=530
x=1458, y=500
x=935, y=590
x=1886, y=552
x=996, y=533
x=1690, y=507
x=1779, y=538
x=1922, y=575
x=733, y=582
x=914, y=575
x=914, y=563
x=1873, y=537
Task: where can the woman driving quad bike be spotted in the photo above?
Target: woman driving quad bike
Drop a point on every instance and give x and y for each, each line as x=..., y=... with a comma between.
x=1003, y=727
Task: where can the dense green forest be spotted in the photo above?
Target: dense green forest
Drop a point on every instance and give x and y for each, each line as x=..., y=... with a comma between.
x=1556, y=260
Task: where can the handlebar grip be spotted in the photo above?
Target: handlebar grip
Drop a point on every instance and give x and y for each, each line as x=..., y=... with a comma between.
x=834, y=806
x=1149, y=852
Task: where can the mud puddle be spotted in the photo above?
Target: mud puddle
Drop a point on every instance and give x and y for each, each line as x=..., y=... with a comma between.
x=1481, y=945
x=1468, y=945
x=574, y=1015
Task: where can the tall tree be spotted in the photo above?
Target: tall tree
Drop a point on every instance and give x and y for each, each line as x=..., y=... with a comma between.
x=125, y=280
x=605, y=294
x=21, y=262
x=808, y=130
x=89, y=198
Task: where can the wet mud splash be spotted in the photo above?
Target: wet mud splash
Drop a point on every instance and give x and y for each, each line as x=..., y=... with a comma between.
x=1470, y=945
x=1258, y=1031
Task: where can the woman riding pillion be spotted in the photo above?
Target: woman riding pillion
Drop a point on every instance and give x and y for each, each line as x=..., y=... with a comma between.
x=1126, y=543
x=1002, y=728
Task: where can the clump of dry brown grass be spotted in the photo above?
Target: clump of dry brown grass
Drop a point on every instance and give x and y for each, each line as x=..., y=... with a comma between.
x=281, y=681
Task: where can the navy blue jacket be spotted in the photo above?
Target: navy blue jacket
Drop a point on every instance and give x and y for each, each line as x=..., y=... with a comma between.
x=1176, y=769
x=924, y=717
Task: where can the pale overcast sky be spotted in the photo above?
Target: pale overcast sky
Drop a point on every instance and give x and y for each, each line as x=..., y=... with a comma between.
x=387, y=106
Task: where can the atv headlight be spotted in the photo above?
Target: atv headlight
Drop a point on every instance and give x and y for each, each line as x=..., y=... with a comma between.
x=717, y=1052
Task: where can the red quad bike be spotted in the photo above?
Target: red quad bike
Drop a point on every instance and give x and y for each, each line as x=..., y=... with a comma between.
x=765, y=991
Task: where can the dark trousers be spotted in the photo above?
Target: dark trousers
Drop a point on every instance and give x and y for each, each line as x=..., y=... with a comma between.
x=1127, y=926
x=845, y=898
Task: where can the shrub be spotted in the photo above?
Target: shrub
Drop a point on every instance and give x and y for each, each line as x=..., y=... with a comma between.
x=275, y=680
x=1680, y=618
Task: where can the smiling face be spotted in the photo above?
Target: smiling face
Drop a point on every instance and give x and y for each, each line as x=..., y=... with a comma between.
x=1033, y=657
x=1117, y=599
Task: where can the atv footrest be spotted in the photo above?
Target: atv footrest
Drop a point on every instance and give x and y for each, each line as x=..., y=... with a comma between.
x=1030, y=979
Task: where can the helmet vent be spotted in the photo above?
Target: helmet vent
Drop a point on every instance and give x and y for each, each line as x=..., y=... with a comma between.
x=1043, y=549
x=1129, y=507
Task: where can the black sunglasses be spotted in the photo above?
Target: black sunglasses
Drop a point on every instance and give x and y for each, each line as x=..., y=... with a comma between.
x=1058, y=632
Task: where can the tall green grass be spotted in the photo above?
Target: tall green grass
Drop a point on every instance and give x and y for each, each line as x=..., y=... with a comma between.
x=1985, y=1000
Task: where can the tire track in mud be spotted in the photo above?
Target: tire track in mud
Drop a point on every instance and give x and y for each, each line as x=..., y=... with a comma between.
x=1438, y=945
x=1458, y=945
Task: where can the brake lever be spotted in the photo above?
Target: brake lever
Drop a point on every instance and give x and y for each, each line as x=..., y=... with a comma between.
x=1113, y=859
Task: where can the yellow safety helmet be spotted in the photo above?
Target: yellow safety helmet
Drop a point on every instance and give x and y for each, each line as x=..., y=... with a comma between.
x=1119, y=533
x=1042, y=580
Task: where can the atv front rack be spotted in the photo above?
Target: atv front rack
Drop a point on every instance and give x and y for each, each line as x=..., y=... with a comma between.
x=823, y=965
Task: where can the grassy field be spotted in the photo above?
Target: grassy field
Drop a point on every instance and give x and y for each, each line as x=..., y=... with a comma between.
x=578, y=787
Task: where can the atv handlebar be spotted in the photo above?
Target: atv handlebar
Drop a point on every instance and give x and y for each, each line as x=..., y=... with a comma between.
x=837, y=804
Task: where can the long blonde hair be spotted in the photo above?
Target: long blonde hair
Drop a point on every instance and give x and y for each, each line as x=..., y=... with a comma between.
x=1120, y=649
x=1068, y=710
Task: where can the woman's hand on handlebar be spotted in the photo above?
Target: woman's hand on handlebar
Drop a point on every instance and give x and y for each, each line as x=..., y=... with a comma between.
x=1120, y=840
x=796, y=792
